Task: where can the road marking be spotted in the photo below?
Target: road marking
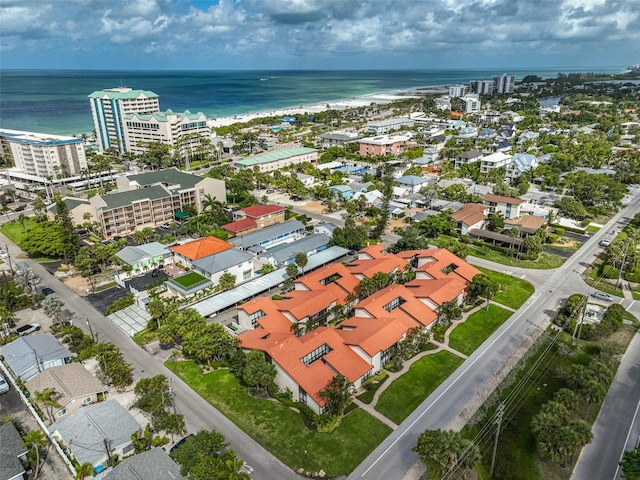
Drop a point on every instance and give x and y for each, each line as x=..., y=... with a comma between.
x=486, y=349
x=631, y=305
x=626, y=440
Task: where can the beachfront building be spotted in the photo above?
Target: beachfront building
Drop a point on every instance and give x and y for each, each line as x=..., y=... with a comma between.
x=187, y=131
x=503, y=83
x=384, y=126
x=42, y=154
x=109, y=109
x=470, y=103
x=278, y=159
x=481, y=87
x=458, y=90
x=338, y=138
x=383, y=145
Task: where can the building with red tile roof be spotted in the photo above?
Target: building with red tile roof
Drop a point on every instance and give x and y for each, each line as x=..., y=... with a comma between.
x=359, y=346
x=507, y=206
x=197, y=249
x=263, y=215
x=240, y=227
x=471, y=215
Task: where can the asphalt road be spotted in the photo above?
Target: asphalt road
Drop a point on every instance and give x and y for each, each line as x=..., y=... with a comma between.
x=617, y=427
x=393, y=458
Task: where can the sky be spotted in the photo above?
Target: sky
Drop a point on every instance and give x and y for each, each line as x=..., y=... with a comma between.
x=317, y=34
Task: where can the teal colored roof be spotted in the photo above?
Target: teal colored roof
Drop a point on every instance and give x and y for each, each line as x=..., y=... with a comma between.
x=162, y=116
x=130, y=94
x=71, y=204
x=275, y=156
x=169, y=176
x=122, y=199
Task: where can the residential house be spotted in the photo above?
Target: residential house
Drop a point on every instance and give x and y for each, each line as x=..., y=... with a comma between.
x=520, y=163
x=263, y=215
x=466, y=133
x=527, y=136
x=527, y=224
x=278, y=159
x=413, y=183
x=338, y=138
x=383, y=145
x=306, y=180
x=240, y=227
x=341, y=192
x=74, y=387
x=13, y=453
x=154, y=464
x=29, y=355
x=188, y=252
x=471, y=215
x=494, y=161
x=78, y=209
x=146, y=256
x=470, y=156
x=487, y=134
x=507, y=206
x=236, y=262
x=277, y=234
x=325, y=228
x=284, y=254
x=97, y=434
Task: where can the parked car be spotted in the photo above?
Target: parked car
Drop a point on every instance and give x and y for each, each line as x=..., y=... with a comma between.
x=155, y=272
x=3, y=254
x=165, y=226
x=180, y=442
x=4, y=385
x=47, y=291
x=271, y=191
x=602, y=296
x=19, y=209
x=28, y=328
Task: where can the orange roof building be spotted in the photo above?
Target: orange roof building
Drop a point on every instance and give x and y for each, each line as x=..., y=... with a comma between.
x=201, y=248
x=359, y=346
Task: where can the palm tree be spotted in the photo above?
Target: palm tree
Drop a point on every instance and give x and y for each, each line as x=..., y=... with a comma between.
x=301, y=261
x=33, y=441
x=366, y=287
x=230, y=470
x=448, y=312
x=292, y=270
x=46, y=398
x=84, y=470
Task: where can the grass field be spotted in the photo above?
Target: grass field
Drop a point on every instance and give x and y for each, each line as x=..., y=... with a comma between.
x=189, y=280
x=592, y=229
x=544, y=261
x=15, y=231
x=408, y=391
x=282, y=430
x=516, y=290
x=469, y=335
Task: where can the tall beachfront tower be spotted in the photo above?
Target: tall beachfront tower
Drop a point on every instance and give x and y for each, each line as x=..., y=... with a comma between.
x=504, y=83
x=109, y=108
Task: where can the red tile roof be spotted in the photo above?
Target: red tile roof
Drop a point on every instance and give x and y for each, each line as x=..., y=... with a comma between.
x=373, y=335
x=240, y=225
x=470, y=213
x=201, y=248
x=439, y=290
x=489, y=197
x=303, y=303
x=259, y=210
x=434, y=260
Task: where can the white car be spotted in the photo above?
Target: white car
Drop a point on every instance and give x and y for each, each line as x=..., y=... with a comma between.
x=4, y=385
x=3, y=254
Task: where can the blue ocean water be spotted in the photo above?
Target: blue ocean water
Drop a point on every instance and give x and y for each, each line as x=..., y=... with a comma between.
x=55, y=101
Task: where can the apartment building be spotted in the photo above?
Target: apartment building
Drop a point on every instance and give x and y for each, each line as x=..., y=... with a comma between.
x=278, y=159
x=338, y=138
x=385, y=126
x=42, y=154
x=458, y=90
x=494, y=161
x=383, y=145
x=185, y=130
x=470, y=103
x=482, y=87
x=503, y=83
x=109, y=109
x=507, y=206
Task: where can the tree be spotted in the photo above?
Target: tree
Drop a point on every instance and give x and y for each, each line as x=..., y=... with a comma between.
x=227, y=281
x=257, y=372
x=112, y=365
x=34, y=440
x=266, y=268
x=52, y=306
x=69, y=236
x=630, y=465
x=571, y=207
x=448, y=312
x=337, y=394
x=292, y=270
x=366, y=287
x=442, y=450
x=351, y=236
x=410, y=240
x=203, y=456
x=483, y=286
x=496, y=222
x=46, y=398
x=301, y=261
x=83, y=471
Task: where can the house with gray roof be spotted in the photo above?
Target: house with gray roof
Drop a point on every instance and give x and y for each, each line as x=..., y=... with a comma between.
x=277, y=234
x=13, y=455
x=29, y=355
x=236, y=262
x=520, y=163
x=470, y=156
x=338, y=139
x=154, y=464
x=413, y=182
x=77, y=208
x=284, y=254
x=146, y=256
x=97, y=433
x=74, y=387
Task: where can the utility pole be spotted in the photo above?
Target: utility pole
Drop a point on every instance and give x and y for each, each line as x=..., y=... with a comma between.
x=6, y=246
x=90, y=330
x=498, y=422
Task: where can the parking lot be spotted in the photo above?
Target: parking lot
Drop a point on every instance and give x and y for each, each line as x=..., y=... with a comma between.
x=101, y=300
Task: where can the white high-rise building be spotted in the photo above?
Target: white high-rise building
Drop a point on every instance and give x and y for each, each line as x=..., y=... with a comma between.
x=44, y=155
x=503, y=83
x=470, y=103
x=482, y=87
x=458, y=90
x=109, y=108
x=166, y=127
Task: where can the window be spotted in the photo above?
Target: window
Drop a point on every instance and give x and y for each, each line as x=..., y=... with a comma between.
x=246, y=274
x=86, y=400
x=254, y=317
x=316, y=354
x=61, y=413
x=393, y=304
x=302, y=396
x=127, y=450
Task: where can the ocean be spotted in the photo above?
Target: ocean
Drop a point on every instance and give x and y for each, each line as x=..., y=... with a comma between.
x=55, y=101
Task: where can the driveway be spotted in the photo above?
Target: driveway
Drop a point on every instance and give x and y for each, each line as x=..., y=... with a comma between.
x=101, y=300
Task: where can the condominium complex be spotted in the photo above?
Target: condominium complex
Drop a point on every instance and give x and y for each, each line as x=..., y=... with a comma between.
x=481, y=87
x=44, y=155
x=470, y=103
x=504, y=83
x=110, y=108
x=278, y=159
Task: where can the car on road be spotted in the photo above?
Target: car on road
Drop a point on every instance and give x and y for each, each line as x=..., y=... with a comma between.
x=4, y=385
x=19, y=209
x=602, y=296
x=271, y=191
x=28, y=328
x=3, y=254
x=605, y=243
x=47, y=291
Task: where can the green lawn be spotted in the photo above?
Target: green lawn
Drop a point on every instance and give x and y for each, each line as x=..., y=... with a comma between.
x=408, y=391
x=544, y=261
x=516, y=290
x=592, y=229
x=469, y=335
x=281, y=430
x=189, y=279
x=14, y=230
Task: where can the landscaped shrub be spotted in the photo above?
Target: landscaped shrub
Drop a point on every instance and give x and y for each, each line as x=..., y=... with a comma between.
x=327, y=422
x=559, y=231
x=438, y=332
x=608, y=271
x=552, y=238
